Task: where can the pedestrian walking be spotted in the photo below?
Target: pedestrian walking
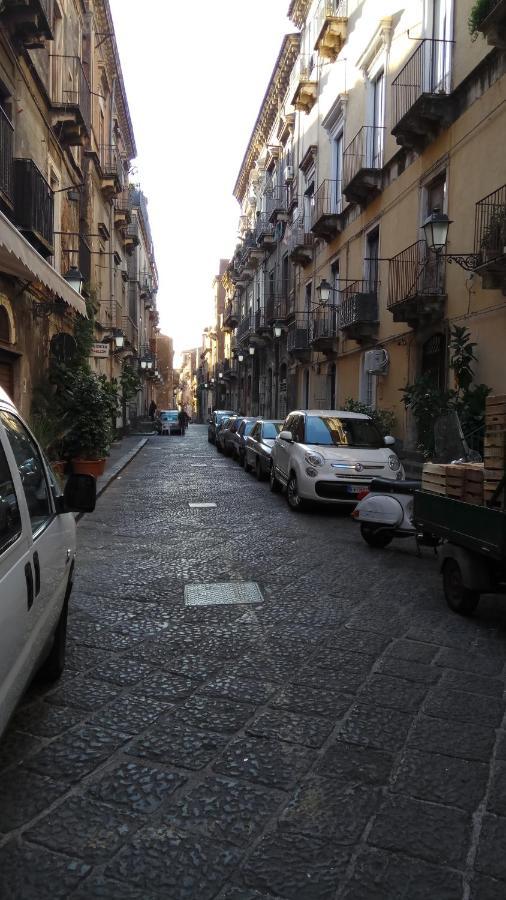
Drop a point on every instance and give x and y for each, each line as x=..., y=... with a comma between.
x=152, y=410
x=182, y=420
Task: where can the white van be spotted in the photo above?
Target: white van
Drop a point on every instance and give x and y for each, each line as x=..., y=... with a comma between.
x=37, y=552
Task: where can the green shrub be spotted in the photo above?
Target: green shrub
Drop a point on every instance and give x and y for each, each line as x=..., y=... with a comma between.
x=478, y=13
x=383, y=418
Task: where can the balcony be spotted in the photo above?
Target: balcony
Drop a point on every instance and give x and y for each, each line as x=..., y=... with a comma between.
x=262, y=322
x=123, y=209
x=303, y=89
x=493, y=26
x=112, y=172
x=357, y=314
x=331, y=28
x=326, y=214
x=29, y=21
x=131, y=332
x=33, y=206
x=416, y=286
x=301, y=243
x=422, y=102
x=276, y=205
x=245, y=328
x=323, y=329
x=230, y=316
x=131, y=238
x=230, y=369
x=490, y=239
x=265, y=232
x=297, y=338
x=70, y=100
x=6, y=157
x=362, y=165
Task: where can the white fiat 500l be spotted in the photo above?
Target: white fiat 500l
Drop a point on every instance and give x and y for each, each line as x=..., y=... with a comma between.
x=330, y=456
x=37, y=550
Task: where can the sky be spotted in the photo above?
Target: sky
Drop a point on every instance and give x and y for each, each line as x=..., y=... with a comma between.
x=195, y=75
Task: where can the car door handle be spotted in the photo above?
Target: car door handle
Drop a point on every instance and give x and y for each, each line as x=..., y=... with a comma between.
x=29, y=584
x=36, y=566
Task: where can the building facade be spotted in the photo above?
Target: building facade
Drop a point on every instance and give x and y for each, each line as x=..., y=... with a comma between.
x=74, y=233
x=376, y=114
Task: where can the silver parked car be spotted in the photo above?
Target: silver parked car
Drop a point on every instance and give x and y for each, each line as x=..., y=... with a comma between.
x=258, y=446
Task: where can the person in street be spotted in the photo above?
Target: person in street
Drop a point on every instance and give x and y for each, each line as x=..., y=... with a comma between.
x=182, y=419
x=152, y=410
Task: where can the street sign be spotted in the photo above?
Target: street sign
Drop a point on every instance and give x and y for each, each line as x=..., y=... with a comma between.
x=99, y=349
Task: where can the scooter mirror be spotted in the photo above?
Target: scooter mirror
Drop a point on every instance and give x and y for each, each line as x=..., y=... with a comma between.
x=388, y=440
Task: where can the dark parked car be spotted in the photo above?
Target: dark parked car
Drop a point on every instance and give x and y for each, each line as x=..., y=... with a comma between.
x=240, y=436
x=221, y=428
x=228, y=435
x=258, y=446
x=217, y=416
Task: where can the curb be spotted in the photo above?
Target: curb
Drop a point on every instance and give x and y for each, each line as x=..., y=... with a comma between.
x=105, y=480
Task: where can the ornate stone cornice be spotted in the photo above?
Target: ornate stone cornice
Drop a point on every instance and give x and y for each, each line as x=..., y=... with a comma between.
x=276, y=90
x=105, y=26
x=297, y=12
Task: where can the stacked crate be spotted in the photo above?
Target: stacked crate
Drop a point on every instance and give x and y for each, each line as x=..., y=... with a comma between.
x=495, y=444
x=461, y=481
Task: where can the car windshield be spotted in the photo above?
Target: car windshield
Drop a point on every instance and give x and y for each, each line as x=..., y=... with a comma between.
x=221, y=416
x=341, y=432
x=170, y=416
x=271, y=429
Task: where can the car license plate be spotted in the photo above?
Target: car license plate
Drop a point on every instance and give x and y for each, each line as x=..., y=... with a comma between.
x=354, y=488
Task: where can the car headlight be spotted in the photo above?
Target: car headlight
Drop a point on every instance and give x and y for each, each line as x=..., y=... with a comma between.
x=394, y=463
x=313, y=458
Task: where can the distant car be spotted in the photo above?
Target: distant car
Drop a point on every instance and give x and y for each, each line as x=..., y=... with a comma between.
x=330, y=456
x=240, y=436
x=258, y=446
x=221, y=431
x=167, y=422
x=214, y=420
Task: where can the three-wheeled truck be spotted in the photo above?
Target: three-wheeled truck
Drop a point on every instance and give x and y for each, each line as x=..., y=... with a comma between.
x=473, y=548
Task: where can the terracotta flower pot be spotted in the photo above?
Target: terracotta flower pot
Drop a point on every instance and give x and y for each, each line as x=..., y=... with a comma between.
x=88, y=466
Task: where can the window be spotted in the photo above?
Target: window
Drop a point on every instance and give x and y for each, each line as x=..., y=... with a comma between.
x=338, y=171
x=341, y=432
x=256, y=431
x=378, y=120
x=270, y=430
x=298, y=429
x=372, y=259
x=10, y=519
x=367, y=389
x=31, y=470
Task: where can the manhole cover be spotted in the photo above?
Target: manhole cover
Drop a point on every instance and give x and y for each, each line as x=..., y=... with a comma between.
x=202, y=505
x=222, y=594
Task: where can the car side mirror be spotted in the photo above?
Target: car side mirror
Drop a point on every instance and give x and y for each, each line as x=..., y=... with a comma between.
x=80, y=494
x=286, y=436
x=388, y=440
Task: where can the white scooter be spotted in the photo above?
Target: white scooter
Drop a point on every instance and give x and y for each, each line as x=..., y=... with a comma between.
x=386, y=511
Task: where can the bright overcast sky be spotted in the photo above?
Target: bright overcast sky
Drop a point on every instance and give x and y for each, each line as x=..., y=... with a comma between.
x=195, y=74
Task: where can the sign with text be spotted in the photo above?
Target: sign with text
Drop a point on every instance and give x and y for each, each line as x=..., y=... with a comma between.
x=99, y=349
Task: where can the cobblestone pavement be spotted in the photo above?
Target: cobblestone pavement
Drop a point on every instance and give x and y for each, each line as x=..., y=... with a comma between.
x=344, y=738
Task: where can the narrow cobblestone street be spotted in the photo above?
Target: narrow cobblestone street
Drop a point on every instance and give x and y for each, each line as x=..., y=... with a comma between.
x=340, y=739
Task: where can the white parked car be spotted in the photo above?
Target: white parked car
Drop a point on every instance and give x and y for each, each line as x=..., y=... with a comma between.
x=330, y=456
x=37, y=552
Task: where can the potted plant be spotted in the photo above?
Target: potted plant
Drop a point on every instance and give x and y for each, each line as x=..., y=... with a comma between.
x=478, y=14
x=91, y=403
x=51, y=431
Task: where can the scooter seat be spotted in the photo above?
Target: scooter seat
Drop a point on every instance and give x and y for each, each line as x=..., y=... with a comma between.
x=386, y=486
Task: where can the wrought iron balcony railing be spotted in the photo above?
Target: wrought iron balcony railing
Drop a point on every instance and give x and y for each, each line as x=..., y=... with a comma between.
x=246, y=327
x=327, y=208
x=362, y=164
x=414, y=273
x=70, y=92
x=297, y=339
x=421, y=93
x=303, y=88
x=276, y=203
x=33, y=205
x=490, y=226
x=323, y=325
x=6, y=157
x=358, y=307
x=29, y=20
x=111, y=164
x=264, y=229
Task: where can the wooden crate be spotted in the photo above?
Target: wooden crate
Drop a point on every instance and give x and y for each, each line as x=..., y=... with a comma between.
x=495, y=413
x=434, y=478
x=460, y=481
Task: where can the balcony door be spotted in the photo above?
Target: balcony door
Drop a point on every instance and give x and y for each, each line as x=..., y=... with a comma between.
x=378, y=120
x=372, y=260
x=440, y=61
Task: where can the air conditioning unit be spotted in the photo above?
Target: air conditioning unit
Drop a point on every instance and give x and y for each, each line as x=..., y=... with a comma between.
x=289, y=173
x=376, y=362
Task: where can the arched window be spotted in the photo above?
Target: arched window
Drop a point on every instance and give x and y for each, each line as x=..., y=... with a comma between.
x=5, y=327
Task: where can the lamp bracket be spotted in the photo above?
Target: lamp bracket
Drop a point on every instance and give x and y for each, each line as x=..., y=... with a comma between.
x=467, y=261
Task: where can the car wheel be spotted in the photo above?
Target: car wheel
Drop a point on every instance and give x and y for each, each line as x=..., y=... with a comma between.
x=376, y=537
x=218, y=448
x=459, y=598
x=245, y=463
x=54, y=664
x=273, y=481
x=258, y=470
x=295, y=501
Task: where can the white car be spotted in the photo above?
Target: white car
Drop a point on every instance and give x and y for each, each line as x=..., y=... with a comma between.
x=330, y=456
x=37, y=552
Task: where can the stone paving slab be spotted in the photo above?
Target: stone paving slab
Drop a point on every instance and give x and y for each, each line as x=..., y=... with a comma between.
x=345, y=739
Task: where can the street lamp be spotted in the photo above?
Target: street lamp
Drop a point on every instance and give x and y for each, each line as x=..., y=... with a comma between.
x=144, y=364
x=435, y=228
x=323, y=291
x=240, y=357
x=251, y=351
x=277, y=331
x=74, y=278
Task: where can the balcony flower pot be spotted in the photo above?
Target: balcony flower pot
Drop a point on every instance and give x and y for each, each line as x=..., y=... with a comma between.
x=93, y=467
